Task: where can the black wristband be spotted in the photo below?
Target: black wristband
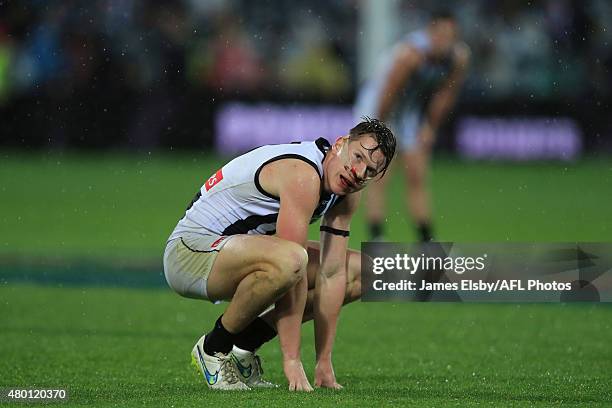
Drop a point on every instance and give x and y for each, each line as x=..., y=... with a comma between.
x=334, y=231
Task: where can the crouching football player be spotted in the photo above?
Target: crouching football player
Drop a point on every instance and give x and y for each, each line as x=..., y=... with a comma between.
x=243, y=239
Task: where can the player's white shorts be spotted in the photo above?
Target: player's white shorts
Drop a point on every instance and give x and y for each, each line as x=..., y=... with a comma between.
x=404, y=124
x=188, y=261
x=407, y=125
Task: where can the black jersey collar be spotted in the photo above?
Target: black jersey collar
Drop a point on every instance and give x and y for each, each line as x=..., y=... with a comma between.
x=323, y=145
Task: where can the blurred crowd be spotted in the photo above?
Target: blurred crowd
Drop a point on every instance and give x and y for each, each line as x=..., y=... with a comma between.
x=540, y=49
x=143, y=61
x=232, y=47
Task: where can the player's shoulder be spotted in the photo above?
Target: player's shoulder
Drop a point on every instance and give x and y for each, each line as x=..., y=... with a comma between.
x=291, y=176
x=299, y=161
x=295, y=168
x=409, y=55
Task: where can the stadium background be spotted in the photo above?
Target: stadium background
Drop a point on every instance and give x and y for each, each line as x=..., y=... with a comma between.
x=112, y=114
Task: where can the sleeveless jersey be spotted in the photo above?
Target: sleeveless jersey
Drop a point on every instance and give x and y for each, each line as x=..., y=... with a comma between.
x=232, y=201
x=421, y=85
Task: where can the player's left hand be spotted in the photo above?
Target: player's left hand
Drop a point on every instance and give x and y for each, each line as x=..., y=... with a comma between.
x=324, y=375
x=294, y=371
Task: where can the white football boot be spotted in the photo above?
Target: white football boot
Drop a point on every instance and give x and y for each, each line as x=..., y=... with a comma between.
x=219, y=371
x=249, y=368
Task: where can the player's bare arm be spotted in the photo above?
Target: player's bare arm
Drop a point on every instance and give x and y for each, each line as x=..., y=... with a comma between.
x=444, y=99
x=406, y=62
x=330, y=286
x=298, y=186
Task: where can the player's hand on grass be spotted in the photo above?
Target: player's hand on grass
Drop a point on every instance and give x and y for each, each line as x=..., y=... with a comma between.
x=324, y=375
x=294, y=371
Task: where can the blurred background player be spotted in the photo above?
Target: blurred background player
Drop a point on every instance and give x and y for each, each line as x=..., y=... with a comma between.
x=414, y=88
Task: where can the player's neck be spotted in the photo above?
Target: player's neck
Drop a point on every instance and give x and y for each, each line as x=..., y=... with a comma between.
x=325, y=189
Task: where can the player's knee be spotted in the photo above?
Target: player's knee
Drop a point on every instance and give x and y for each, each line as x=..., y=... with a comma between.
x=270, y=280
x=292, y=257
x=353, y=291
x=283, y=280
x=353, y=284
x=290, y=262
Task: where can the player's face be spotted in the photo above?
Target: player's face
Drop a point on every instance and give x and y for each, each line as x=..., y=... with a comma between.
x=355, y=163
x=443, y=36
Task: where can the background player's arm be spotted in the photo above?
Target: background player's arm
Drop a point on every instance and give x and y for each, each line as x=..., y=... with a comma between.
x=330, y=287
x=298, y=186
x=444, y=99
x=406, y=62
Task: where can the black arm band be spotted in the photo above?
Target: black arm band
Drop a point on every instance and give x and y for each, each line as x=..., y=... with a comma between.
x=334, y=231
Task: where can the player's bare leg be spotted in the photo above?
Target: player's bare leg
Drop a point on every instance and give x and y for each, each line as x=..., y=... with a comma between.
x=353, y=281
x=376, y=208
x=353, y=276
x=416, y=170
x=353, y=292
x=263, y=328
x=252, y=272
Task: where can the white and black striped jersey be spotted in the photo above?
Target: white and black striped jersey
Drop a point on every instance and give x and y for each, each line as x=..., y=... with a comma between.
x=232, y=201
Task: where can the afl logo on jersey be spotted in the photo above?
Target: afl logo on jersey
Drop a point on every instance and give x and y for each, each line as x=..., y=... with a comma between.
x=214, y=179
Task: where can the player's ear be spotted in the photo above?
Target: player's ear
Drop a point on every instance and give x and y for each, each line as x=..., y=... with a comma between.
x=339, y=142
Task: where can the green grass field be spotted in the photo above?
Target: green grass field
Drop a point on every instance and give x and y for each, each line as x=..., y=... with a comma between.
x=82, y=302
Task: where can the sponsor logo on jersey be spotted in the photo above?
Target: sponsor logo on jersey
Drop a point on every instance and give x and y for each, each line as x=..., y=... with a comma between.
x=214, y=179
x=217, y=242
